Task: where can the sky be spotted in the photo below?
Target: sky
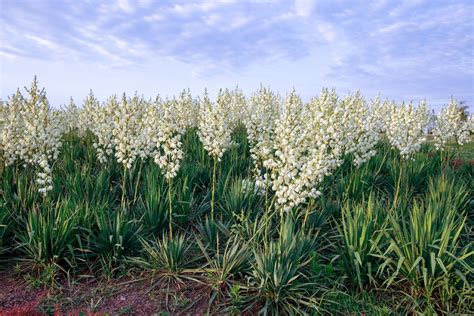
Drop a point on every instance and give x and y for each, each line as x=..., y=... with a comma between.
x=402, y=50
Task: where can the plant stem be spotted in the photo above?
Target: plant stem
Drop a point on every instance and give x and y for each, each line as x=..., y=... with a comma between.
x=308, y=210
x=397, y=192
x=282, y=213
x=138, y=180
x=266, y=206
x=213, y=187
x=170, y=184
x=124, y=175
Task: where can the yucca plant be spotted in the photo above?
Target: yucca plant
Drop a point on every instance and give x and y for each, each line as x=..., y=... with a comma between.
x=83, y=186
x=184, y=200
x=155, y=203
x=447, y=192
x=49, y=238
x=112, y=237
x=425, y=251
x=212, y=230
x=168, y=257
x=225, y=268
x=6, y=229
x=240, y=196
x=19, y=191
x=169, y=260
x=362, y=231
x=280, y=278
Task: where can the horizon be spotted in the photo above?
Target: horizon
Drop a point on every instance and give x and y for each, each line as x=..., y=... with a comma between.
x=411, y=50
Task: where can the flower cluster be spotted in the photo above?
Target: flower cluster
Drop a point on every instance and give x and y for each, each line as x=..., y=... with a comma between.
x=12, y=129
x=70, y=117
x=87, y=114
x=238, y=107
x=214, y=128
x=102, y=126
x=450, y=126
x=406, y=127
x=186, y=112
x=260, y=121
x=127, y=130
x=362, y=128
x=299, y=158
x=171, y=125
x=32, y=134
x=328, y=123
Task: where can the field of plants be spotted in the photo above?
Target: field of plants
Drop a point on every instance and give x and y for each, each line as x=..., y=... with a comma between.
x=259, y=204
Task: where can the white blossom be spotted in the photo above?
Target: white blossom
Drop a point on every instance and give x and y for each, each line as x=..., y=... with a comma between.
x=214, y=129
x=450, y=126
x=170, y=127
x=127, y=130
x=260, y=121
x=406, y=127
x=32, y=134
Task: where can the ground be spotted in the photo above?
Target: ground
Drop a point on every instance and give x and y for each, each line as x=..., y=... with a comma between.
x=119, y=296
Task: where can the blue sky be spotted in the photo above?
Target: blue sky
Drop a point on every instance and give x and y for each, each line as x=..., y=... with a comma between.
x=401, y=49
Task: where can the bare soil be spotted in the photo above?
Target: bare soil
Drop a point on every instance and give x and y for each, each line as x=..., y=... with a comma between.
x=93, y=297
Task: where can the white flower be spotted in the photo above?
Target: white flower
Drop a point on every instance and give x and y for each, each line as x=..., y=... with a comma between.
x=170, y=127
x=32, y=133
x=214, y=129
x=103, y=126
x=293, y=160
x=260, y=121
x=406, y=126
x=450, y=126
x=127, y=130
x=70, y=117
x=87, y=116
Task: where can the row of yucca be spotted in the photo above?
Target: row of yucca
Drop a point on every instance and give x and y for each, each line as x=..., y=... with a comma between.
x=257, y=248
x=421, y=253
x=417, y=246
x=294, y=145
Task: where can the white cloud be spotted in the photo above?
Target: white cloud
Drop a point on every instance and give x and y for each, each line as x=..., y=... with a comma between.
x=239, y=22
x=155, y=17
x=405, y=6
x=326, y=30
x=125, y=6
x=203, y=6
x=304, y=8
x=7, y=55
x=42, y=41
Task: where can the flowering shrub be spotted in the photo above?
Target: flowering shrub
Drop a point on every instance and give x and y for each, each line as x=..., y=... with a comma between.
x=260, y=122
x=450, y=126
x=87, y=115
x=293, y=145
x=70, y=117
x=214, y=124
x=295, y=165
x=103, y=127
x=127, y=130
x=32, y=134
x=171, y=126
x=406, y=127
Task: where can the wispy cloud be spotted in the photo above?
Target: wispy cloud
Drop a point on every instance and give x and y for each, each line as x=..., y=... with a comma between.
x=411, y=44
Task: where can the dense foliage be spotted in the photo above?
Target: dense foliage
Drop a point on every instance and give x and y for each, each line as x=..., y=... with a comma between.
x=338, y=205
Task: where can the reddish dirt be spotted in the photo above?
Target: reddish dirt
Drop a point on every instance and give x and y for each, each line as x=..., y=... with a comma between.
x=124, y=296
x=456, y=163
x=16, y=298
